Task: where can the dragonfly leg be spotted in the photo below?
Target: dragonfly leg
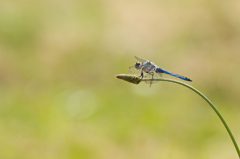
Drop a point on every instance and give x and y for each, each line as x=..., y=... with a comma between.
x=141, y=76
x=151, y=73
x=152, y=78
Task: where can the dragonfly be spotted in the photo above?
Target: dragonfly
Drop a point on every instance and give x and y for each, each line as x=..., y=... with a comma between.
x=151, y=70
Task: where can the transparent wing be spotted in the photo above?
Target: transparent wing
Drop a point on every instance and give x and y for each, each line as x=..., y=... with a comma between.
x=149, y=76
x=132, y=69
x=158, y=75
x=140, y=59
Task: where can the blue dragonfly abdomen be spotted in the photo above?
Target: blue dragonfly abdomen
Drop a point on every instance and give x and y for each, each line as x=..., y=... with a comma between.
x=160, y=70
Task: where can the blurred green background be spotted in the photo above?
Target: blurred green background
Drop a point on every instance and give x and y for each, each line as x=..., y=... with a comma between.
x=59, y=98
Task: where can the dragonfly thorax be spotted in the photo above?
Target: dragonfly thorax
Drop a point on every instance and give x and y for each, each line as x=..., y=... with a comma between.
x=149, y=67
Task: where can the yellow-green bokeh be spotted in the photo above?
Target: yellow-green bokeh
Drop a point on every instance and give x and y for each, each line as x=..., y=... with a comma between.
x=59, y=97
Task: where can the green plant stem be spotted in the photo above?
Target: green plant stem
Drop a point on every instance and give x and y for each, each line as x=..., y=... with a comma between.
x=208, y=101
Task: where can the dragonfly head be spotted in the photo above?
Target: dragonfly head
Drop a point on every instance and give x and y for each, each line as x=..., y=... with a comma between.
x=138, y=65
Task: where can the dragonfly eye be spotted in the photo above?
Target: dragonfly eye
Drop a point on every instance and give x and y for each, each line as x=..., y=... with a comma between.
x=137, y=65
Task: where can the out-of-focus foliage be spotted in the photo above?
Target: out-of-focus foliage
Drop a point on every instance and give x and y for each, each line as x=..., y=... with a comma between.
x=59, y=97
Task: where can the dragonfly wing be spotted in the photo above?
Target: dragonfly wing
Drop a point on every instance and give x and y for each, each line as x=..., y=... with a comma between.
x=157, y=75
x=140, y=59
x=149, y=76
x=132, y=69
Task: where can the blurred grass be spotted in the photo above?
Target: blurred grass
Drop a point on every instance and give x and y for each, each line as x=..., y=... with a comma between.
x=58, y=92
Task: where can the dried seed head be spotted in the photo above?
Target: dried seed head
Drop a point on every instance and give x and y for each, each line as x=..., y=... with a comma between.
x=129, y=78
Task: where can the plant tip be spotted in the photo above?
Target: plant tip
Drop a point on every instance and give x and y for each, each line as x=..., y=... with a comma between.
x=129, y=78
